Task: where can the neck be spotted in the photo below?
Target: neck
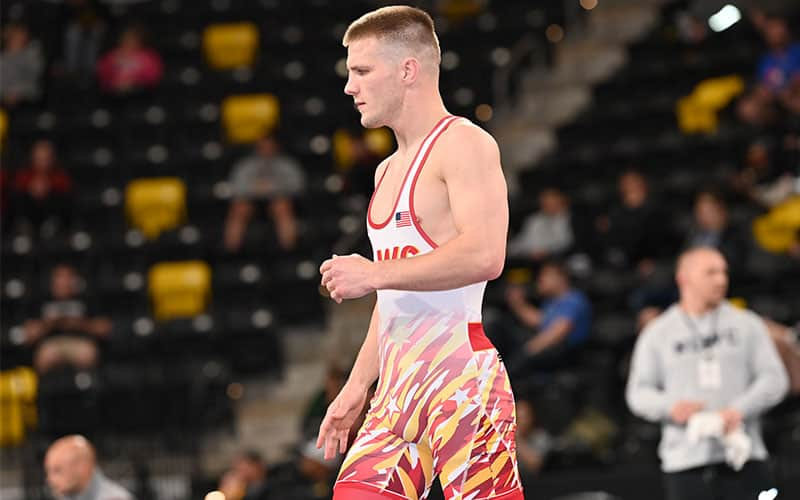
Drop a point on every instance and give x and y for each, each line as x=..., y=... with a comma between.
x=420, y=112
x=696, y=307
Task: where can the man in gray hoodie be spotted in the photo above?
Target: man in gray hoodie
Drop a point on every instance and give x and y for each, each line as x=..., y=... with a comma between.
x=72, y=472
x=706, y=371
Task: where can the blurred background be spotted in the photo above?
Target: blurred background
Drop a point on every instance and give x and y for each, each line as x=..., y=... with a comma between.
x=175, y=171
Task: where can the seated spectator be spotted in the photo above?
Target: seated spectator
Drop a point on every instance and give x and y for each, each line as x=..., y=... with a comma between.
x=533, y=442
x=131, y=66
x=247, y=479
x=635, y=234
x=83, y=37
x=778, y=76
x=42, y=191
x=21, y=66
x=762, y=180
x=72, y=473
x=548, y=232
x=546, y=338
x=712, y=228
x=65, y=333
x=270, y=177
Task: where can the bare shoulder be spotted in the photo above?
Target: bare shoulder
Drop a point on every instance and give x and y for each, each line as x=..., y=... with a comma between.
x=466, y=141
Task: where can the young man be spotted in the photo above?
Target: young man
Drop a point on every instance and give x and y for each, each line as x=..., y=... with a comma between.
x=707, y=371
x=437, y=222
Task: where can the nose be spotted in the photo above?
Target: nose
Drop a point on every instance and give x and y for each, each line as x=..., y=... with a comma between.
x=349, y=87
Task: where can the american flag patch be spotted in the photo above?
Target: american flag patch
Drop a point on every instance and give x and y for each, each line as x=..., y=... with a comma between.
x=402, y=219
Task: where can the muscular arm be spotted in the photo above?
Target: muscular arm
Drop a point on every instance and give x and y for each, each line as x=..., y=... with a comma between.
x=479, y=206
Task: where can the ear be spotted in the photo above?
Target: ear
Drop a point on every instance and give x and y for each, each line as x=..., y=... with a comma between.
x=409, y=70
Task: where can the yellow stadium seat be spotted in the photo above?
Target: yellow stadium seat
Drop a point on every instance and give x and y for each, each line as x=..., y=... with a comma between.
x=697, y=112
x=247, y=118
x=343, y=150
x=777, y=230
x=456, y=10
x=378, y=141
x=18, y=388
x=179, y=289
x=230, y=45
x=738, y=302
x=3, y=127
x=156, y=204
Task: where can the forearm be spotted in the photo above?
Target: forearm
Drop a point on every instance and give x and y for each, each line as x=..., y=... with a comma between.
x=460, y=262
x=527, y=314
x=552, y=336
x=365, y=368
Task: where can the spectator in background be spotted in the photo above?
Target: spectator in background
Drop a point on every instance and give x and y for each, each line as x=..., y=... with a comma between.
x=712, y=228
x=21, y=66
x=83, y=37
x=42, y=191
x=72, y=473
x=707, y=371
x=247, y=479
x=635, y=234
x=546, y=338
x=778, y=76
x=547, y=233
x=762, y=179
x=533, y=442
x=65, y=333
x=266, y=176
x=334, y=381
x=131, y=66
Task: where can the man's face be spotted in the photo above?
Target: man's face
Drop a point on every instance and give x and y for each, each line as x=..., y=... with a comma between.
x=62, y=474
x=373, y=81
x=552, y=202
x=707, y=277
x=550, y=282
x=42, y=155
x=776, y=33
x=633, y=190
x=62, y=282
x=709, y=214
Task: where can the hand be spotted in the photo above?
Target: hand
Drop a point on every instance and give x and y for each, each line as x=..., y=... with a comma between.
x=34, y=330
x=532, y=347
x=515, y=295
x=732, y=419
x=682, y=411
x=341, y=415
x=347, y=277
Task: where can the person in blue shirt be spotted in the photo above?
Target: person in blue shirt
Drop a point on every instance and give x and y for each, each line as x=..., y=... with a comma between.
x=777, y=86
x=546, y=338
x=781, y=65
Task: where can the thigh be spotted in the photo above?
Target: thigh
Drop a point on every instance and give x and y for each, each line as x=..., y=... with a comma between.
x=474, y=438
x=693, y=484
x=381, y=462
x=747, y=483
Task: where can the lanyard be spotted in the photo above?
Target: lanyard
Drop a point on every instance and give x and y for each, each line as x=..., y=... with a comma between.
x=706, y=343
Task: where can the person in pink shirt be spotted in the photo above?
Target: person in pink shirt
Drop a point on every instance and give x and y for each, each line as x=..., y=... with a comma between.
x=131, y=66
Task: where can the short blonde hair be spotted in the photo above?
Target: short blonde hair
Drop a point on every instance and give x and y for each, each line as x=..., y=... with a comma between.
x=401, y=25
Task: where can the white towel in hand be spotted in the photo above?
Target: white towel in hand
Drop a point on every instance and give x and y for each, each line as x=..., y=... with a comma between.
x=738, y=446
x=709, y=425
x=704, y=424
